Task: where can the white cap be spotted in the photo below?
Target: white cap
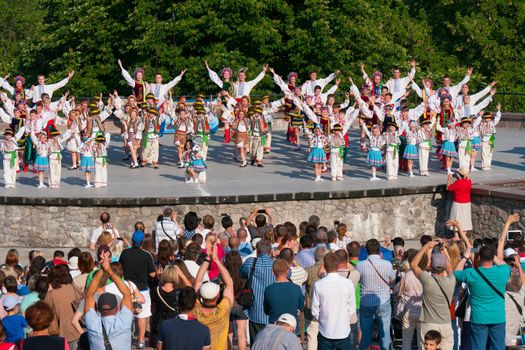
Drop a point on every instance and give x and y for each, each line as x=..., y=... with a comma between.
x=288, y=319
x=209, y=290
x=509, y=252
x=73, y=263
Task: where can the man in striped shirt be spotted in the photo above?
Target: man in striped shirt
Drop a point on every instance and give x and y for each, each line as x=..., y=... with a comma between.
x=377, y=275
x=262, y=277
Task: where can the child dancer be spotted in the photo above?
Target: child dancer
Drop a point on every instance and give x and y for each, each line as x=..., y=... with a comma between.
x=337, y=149
x=488, y=135
x=424, y=140
x=317, y=155
x=259, y=130
x=197, y=165
x=392, y=150
x=134, y=128
x=100, y=152
x=55, y=155
x=464, y=134
x=476, y=141
x=87, y=163
x=42, y=155
x=410, y=154
x=377, y=141
x=9, y=146
x=242, y=127
x=448, y=148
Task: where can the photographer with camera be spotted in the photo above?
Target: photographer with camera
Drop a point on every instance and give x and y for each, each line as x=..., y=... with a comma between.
x=167, y=227
x=106, y=226
x=261, y=224
x=461, y=185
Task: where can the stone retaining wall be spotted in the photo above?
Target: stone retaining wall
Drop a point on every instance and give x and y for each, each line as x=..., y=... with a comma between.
x=408, y=216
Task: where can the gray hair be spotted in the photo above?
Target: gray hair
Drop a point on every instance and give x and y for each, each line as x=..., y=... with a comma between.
x=167, y=212
x=320, y=252
x=320, y=235
x=264, y=246
x=514, y=283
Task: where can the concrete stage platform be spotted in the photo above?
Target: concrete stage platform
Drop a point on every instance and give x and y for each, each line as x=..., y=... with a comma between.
x=286, y=176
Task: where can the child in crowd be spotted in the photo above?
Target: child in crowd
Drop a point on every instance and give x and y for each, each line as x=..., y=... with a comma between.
x=13, y=323
x=5, y=345
x=432, y=340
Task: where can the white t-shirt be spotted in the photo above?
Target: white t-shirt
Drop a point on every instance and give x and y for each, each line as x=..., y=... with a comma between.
x=193, y=269
x=113, y=289
x=98, y=231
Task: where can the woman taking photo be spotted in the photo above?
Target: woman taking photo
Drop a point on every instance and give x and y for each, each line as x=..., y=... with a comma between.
x=461, y=185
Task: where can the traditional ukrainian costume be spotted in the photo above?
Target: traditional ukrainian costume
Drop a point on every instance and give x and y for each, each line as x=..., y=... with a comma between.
x=9, y=148
x=374, y=157
x=448, y=148
x=464, y=137
x=337, y=150
x=488, y=136
x=100, y=153
x=87, y=162
x=424, y=141
x=410, y=152
x=392, y=152
x=317, y=154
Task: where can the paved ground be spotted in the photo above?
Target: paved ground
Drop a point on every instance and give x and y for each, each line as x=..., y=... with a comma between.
x=286, y=170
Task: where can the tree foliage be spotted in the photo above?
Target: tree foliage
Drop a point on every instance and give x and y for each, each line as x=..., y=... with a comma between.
x=444, y=36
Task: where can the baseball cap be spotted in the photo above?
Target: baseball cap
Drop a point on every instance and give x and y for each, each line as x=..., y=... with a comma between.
x=10, y=302
x=438, y=260
x=138, y=236
x=288, y=319
x=106, y=302
x=509, y=252
x=209, y=290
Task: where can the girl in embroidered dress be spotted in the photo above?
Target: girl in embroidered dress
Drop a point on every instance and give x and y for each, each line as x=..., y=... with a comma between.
x=100, y=154
x=317, y=155
x=87, y=162
x=377, y=141
x=448, y=148
x=42, y=155
x=134, y=128
x=464, y=134
x=242, y=128
x=411, y=153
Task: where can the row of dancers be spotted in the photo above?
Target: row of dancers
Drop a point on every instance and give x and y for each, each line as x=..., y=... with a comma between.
x=397, y=135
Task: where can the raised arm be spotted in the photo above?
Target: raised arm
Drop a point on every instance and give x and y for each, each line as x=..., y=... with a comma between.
x=214, y=76
x=414, y=264
x=225, y=276
x=475, y=97
x=483, y=104
x=257, y=79
x=62, y=83
x=503, y=237
x=498, y=114
x=126, y=75
x=175, y=81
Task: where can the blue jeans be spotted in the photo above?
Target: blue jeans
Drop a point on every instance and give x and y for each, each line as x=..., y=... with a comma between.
x=367, y=315
x=333, y=344
x=483, y=334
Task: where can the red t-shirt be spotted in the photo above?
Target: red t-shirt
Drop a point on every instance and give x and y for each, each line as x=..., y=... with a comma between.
x=213, y=271
x=461, y=189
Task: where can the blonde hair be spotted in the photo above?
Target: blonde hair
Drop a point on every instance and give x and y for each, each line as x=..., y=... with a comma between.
x=169, y=275
x=117, y=248
x=454, y=251
x=105, y=238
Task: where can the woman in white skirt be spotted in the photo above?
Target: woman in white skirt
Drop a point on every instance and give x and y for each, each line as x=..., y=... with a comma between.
x=461, y=185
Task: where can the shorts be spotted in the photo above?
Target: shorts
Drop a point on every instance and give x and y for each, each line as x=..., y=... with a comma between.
x=146, y=307
x=237, y=313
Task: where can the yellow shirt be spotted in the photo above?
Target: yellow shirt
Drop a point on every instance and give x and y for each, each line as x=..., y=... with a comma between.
x=217, y=320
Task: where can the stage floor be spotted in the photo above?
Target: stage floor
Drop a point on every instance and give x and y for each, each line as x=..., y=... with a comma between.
x=285, y=171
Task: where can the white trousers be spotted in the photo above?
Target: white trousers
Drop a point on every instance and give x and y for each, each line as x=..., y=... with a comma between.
x=55, y=171
x=423, y=160
x=256, y=148
x=10, y=172
x=336, y=165
x=312, y=330
x=150, y=154
x=392, y=163
x=101, y=173
x=268, y=141
x=464, y=157
x=486, y=155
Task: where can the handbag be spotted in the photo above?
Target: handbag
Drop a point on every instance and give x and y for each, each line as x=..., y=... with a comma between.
x=137, y=306
x=245, y=298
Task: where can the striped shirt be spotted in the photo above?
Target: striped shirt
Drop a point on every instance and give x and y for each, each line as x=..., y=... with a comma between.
x=374, y=291
x=262, y=277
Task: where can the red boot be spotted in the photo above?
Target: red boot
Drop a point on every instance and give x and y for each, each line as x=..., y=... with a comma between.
x=227, y=136
x=26, y=167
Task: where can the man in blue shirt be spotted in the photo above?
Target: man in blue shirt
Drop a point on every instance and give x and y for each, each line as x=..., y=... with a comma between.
x=283, y=296
x=262, y=278
x=115, y=321
x=487, y=285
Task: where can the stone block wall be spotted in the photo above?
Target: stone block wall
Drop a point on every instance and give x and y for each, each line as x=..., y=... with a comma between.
x=408, y=216
x=489, y=214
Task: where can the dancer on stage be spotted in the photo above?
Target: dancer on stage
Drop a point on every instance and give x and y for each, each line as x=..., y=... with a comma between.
x=424, y=140
x=241, y=125
x=87, y=161
x=258, y=132
x=239, y=88
x=448, y=148
x=49, y=89
x=42, y=155
x=488, y=136
x=160, y=90
x=100, y=154
x=150, y=138
x=55, y=155
x=134, y=128
x=411, y=153
x=317, y=155
x=140, y=87
x=392, y=141
x=183, y=127
x=9, y=147
x=464, y=135
x=398, y=85
x=269, y=110
x=308, y=88
x=377, y=141
x=196, y=166
x=337, y=151
x=19, y=92
x=452, y=91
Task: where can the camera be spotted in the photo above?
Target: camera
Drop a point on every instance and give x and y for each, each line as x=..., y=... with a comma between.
x=457, y=175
